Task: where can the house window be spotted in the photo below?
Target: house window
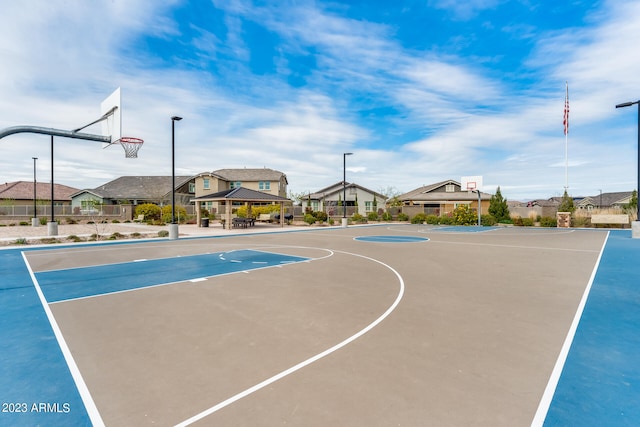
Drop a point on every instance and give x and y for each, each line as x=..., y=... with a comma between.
x=206, y=183
x=264, y=185
x=368, y=206
x=315, y=205
x=235, y=184
x=192, y=187
x=450, y=188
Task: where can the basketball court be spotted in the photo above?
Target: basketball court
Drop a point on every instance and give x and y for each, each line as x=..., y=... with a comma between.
x=375, y=325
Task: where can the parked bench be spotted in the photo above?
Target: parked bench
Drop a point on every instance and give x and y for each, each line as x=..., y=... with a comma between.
x=610, y=219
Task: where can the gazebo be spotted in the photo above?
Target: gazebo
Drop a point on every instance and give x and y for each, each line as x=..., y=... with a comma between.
x=240, y=194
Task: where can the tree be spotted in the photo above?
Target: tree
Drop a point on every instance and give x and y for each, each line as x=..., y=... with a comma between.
x=567, y=203
x=498, y=207
x=632, y=206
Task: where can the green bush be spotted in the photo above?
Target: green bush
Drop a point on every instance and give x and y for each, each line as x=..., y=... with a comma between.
x=387, y=216
x=43, y=221
x=547, y=221
x=432, y=219
x=309, y=219
x=358, y=218
x=487, y=220
x=446, y=220
x=464, y=215
x=181, y=214
x=527, y=222
x=517, y=221
x=69, y=221
x=372, y=216
x=403, y=217
x=163, y=233
x=419, y=218
x=150, y=211
x=320, y=216
x=23, y=223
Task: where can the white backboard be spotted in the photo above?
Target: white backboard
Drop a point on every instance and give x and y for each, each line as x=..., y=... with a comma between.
x=470, y=183
x=112, y=126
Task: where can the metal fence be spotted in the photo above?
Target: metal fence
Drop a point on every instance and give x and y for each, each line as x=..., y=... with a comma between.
x=64, y=210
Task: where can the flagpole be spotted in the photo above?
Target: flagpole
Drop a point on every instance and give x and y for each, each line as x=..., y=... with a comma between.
x=566, y=137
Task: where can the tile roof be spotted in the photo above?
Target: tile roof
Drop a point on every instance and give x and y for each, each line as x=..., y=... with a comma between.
x=138, y=187
x=248, y=174
x=23, y=190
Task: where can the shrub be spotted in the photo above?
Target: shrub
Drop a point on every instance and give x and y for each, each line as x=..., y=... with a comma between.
x=432, y=219
x=115, y=221
x=386, y=216
x=403, y=217
x=487, y=220
x=43, y=221
x=116, y=236
x=527, y=222
x=464, y=215
x=419, y=218
x=23, y=223
x=150, y=211
x=446, y=220
x=517, y=221
x=163, y=233
x=547, y=221
x=358, y=218
x=320, y=216
x=309, y=219
x=74, y=238
x=181, y=214
x=20, y=241
x=372, y=216
x=69, y=221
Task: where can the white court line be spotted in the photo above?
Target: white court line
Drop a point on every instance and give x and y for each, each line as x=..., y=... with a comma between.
x=547, y=397
x=307, y=362
x=83, y=390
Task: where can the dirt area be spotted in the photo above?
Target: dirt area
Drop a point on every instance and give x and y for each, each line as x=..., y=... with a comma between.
x=26, y=234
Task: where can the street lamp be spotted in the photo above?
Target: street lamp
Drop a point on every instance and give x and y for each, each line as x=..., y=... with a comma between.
x=344, y=188
x=635, y=231
x=173, y=228
x=34, y=221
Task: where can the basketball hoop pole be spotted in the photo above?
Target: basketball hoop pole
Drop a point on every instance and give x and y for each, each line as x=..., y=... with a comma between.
x=479, y=207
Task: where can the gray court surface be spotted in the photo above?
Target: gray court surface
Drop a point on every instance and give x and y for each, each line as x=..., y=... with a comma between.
x=463, y=328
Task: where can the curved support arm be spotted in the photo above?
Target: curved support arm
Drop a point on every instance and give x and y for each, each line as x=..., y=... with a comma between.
x=54, y=132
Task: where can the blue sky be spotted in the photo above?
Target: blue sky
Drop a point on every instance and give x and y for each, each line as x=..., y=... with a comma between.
x=419, y=91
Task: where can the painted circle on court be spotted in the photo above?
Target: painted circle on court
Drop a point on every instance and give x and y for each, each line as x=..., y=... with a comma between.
x=391, y=239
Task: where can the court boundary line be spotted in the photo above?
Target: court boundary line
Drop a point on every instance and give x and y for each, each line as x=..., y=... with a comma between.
x=81, y=386
x=310, y=360
x=554, y=379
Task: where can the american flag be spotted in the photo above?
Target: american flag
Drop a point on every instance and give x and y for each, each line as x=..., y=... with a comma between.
x=566, y=112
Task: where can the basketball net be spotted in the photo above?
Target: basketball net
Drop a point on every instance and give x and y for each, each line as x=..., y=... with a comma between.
x=131, y=146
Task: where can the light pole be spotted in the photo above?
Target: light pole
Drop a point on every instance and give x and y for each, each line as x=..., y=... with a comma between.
x=34, y=221
x=344, y=188
x=173, y=228
x=635, y=226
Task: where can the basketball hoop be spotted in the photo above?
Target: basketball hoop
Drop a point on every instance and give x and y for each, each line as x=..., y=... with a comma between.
x=131, y=146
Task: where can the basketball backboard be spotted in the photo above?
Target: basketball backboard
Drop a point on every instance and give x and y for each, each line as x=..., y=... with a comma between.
x=471, y=183
x=112, y=125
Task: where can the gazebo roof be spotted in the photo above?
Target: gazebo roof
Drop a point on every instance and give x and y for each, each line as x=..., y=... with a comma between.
x=240, y=194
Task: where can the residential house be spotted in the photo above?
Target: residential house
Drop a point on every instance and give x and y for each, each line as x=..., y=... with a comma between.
x=442, y=198
x=357, y=199
x=615, y=200
x=269, y=181
x=135, y=190
x=17, y=197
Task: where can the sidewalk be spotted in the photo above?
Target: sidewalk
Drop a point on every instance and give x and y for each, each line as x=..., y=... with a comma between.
x=17, y=235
